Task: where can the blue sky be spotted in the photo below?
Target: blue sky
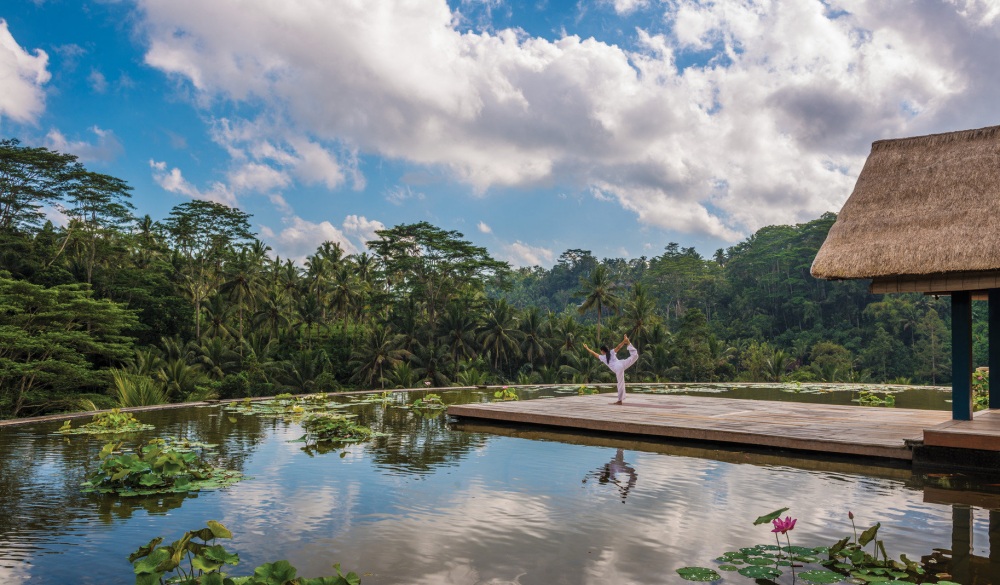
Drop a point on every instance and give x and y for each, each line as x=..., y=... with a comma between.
x=531, y=127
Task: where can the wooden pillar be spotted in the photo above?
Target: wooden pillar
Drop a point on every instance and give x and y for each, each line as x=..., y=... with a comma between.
x=961, y=544
x=961, y=355
x=994, y=342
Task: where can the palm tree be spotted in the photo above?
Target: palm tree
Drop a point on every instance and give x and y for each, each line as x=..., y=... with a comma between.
x=308, y=314
x=599, y=292
x=534, y=345
x=242, y=283
x=499, y=334
x=217, y=317
x=458, y=333
x=344, y=293
x=379, y=351
x=640, y=314
x=301, y=371
x=270, y=313
x=217, y=358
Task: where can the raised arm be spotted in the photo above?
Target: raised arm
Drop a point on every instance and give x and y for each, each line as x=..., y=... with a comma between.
x=624, y=342
x=591, y=352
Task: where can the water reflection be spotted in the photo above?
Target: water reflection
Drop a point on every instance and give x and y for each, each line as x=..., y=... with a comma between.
x=464, y=504
x=617, y=473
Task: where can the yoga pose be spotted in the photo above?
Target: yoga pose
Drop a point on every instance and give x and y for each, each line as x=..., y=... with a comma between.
x=610, y=359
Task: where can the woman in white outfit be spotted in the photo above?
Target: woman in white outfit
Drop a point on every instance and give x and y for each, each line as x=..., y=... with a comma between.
x=610, y=359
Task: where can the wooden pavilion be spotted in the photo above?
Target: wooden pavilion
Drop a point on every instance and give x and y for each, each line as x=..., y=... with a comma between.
x=924, y=217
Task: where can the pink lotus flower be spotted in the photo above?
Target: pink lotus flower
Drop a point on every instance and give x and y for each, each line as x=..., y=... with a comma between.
x=783, y=526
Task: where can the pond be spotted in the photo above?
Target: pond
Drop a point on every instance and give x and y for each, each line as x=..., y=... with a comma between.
x=439, y=503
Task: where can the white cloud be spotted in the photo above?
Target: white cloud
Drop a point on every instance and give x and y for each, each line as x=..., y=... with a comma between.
x=483, y=228
x=401, y=193
x=22, y=76
x=107, y=147
x=521, y=254
x=174, y=182
x=257, y=177
x=362, y=228
x=628, y=6
x=769, y=125
x=97, y=81
x=300, y=238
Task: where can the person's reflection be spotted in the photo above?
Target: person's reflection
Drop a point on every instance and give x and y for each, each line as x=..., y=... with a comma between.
x=613, y=472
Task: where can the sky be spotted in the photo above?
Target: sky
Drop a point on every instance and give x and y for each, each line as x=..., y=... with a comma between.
x=531, y=127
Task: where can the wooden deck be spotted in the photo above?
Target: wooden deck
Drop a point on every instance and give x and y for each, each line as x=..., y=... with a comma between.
x=981, y=433
x=843, y=430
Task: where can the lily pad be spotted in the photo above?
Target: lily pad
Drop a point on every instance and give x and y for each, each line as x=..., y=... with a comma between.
x=698, y=574
x=821, y=577
x=758, y=572
x=729, y=568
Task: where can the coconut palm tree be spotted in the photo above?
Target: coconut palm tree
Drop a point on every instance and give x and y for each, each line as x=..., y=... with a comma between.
x=600, y=293
x=499, y=334
x=378, y=352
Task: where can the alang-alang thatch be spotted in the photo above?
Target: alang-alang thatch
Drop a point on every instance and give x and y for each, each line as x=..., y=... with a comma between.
x=923, y=217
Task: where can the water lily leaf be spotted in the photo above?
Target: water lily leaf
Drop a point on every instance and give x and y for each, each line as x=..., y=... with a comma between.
x=767, y=518
x=729, y=568
x=798, y=550
x=751, y=551
x=760, y=561
x=757, y=572
x=869, y=534
x=218, y=530
x=821, y=577
x=698, y=574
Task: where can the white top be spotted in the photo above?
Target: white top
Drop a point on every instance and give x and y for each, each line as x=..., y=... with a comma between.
x=619, y=366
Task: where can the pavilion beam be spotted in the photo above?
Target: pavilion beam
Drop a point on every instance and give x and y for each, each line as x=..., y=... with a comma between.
x=961, y=355
x=994, y=342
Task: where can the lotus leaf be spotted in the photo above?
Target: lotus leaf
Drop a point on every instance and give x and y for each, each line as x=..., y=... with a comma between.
x=821, y=577
x=698, y=574
x=759, y=572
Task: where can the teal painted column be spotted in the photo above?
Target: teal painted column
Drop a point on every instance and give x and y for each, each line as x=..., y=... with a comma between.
x=961, y=355
x=994, y=341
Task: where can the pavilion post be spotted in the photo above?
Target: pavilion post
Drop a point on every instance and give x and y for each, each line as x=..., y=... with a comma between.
x=961, y=355
x=994, y=342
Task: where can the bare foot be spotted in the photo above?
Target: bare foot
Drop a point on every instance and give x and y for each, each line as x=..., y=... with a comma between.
x=619, y=402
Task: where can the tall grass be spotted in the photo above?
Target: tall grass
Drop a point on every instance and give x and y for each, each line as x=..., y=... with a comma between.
x=136, y=389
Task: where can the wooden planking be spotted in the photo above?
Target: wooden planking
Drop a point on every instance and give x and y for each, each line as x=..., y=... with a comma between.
x=846, y=430
x=982, y=432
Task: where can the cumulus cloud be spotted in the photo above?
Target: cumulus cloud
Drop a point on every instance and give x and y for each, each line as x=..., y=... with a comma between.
x=299, y=237
x=361, y=228
x=521, y=254
x=173, y=180
x=106, y=148
x=483, y=228
x=767, y=120
x=22, y=76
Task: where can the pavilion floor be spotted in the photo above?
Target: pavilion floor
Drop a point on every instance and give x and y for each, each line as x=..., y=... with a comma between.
x=838, y=430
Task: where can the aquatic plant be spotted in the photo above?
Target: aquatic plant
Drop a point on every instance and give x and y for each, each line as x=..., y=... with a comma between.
x=585, y=389
x=431, y=401
x=847, y=560
x=869, y=398
x=103, y=423
x=202, y=563
x=325, y=426
x=505, y=394
x=160, y=466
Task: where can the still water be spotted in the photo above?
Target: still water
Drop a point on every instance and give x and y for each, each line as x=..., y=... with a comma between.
x=438, y=503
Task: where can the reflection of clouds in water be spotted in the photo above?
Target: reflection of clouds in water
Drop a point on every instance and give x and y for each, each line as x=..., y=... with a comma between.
x=515, y=512
x=13, y=575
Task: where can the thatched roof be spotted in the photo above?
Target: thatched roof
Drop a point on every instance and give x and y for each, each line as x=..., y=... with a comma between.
x=922, y=205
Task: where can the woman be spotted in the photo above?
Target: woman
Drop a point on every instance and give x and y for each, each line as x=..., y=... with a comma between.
x=617, y=366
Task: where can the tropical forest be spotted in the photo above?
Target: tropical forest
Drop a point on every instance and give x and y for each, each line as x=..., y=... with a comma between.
x=112, y=307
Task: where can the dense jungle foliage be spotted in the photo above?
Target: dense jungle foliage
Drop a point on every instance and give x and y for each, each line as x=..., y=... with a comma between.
x=114, y=309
